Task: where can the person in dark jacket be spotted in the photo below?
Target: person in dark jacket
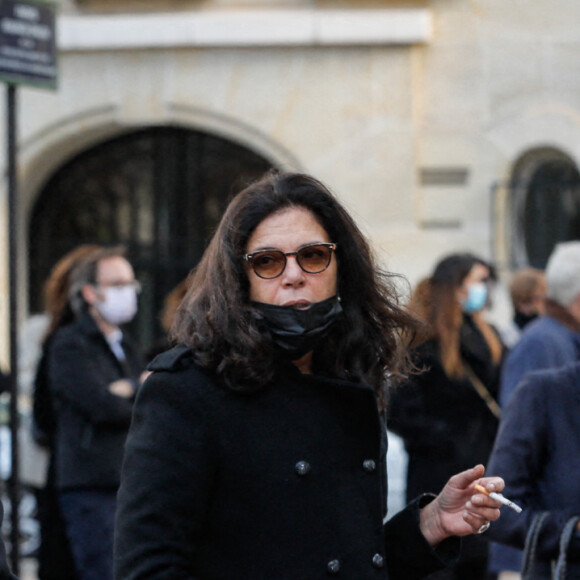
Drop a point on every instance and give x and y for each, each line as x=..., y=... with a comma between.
x=447, y=414
x=550, y=341
x=257, y=449
x=170, y=305
x=528, y=296
x=55, y=561
x=537, y=451
x=93, y=373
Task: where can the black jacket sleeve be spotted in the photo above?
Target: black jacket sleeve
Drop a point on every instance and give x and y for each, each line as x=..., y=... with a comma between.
x=75, y=376
x=409, y=555
x=166, y=482
x=413, y=410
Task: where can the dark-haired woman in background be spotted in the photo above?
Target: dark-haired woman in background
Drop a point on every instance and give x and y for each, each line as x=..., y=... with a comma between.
x=257, y=449
x=447, y=415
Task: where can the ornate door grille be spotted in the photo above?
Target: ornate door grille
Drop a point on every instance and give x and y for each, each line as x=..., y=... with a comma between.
x=546, y=202
x=159, y=191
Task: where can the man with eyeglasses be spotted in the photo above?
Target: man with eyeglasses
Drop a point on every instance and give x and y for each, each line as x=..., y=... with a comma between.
x=94, y=373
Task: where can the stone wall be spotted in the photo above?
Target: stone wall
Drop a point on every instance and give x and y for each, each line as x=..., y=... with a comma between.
x=411, y=121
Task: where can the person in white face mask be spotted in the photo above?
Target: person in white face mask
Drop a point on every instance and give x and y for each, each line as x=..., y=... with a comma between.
x=447, y=416
x=94, y=372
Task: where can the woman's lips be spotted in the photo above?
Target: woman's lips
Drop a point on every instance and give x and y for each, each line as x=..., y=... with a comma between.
x=300, y=304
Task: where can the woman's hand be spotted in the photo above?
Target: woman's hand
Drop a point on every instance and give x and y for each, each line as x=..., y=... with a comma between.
x=122, y=388
x=459, y=510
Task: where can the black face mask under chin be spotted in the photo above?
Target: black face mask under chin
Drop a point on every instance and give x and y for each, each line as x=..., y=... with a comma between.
x=296, y=332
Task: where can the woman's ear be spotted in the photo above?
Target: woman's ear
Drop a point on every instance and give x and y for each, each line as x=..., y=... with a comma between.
x=90, y=294
x=461, y=293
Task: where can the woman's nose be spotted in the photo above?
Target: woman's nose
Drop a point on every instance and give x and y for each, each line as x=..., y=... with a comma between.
x=293, y=274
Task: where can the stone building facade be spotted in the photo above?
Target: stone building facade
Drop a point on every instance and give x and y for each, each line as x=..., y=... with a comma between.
x=443, y=125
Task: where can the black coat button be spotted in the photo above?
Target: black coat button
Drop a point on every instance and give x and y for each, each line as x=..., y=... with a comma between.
x=302, y=468
x=378, y=561
x=369, y=465
x=333, y=567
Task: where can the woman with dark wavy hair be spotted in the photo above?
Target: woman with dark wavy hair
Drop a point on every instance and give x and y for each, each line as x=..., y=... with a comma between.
x=257, y=449
x=364, y=341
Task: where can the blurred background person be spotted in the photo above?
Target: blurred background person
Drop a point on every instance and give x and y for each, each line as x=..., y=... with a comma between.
x=537, y=451
x=54, y=556
x=93, y=373
x=170, y=306
x=447, y=415
x=527, y=290
x=552, y=340
x=528, y=296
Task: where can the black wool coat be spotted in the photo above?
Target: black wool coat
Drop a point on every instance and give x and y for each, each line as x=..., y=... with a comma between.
x=445, y=424
x=283, y=484
x=92, y=422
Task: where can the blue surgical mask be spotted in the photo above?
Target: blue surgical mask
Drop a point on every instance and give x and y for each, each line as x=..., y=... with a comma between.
x=476, y=298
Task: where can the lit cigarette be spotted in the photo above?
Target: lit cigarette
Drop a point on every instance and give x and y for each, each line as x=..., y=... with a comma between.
x=499, y=497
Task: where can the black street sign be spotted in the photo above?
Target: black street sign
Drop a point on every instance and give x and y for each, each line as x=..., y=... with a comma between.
x=27, y=43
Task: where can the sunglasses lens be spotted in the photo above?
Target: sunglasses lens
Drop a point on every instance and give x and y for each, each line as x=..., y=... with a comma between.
x=269, y=264
x=314, y=259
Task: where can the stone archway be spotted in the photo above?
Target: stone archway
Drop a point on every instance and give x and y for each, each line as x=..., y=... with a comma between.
x=160, y=191
x=545, y=200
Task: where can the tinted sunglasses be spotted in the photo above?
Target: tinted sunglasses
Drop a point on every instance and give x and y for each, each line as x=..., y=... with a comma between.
x=312, y=258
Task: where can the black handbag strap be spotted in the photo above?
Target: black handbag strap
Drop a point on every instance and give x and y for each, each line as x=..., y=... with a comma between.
x=560, y=570
x=531, y=544
x=529, y=557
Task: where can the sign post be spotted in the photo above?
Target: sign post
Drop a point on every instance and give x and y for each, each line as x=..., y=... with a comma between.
x=27, y=43
x=27, y=56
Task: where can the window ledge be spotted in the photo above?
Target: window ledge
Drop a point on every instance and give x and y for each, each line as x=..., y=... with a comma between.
x=252, y=28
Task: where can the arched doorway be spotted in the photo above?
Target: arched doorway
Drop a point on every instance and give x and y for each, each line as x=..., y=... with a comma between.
x=545, y=205
x=159, y=191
